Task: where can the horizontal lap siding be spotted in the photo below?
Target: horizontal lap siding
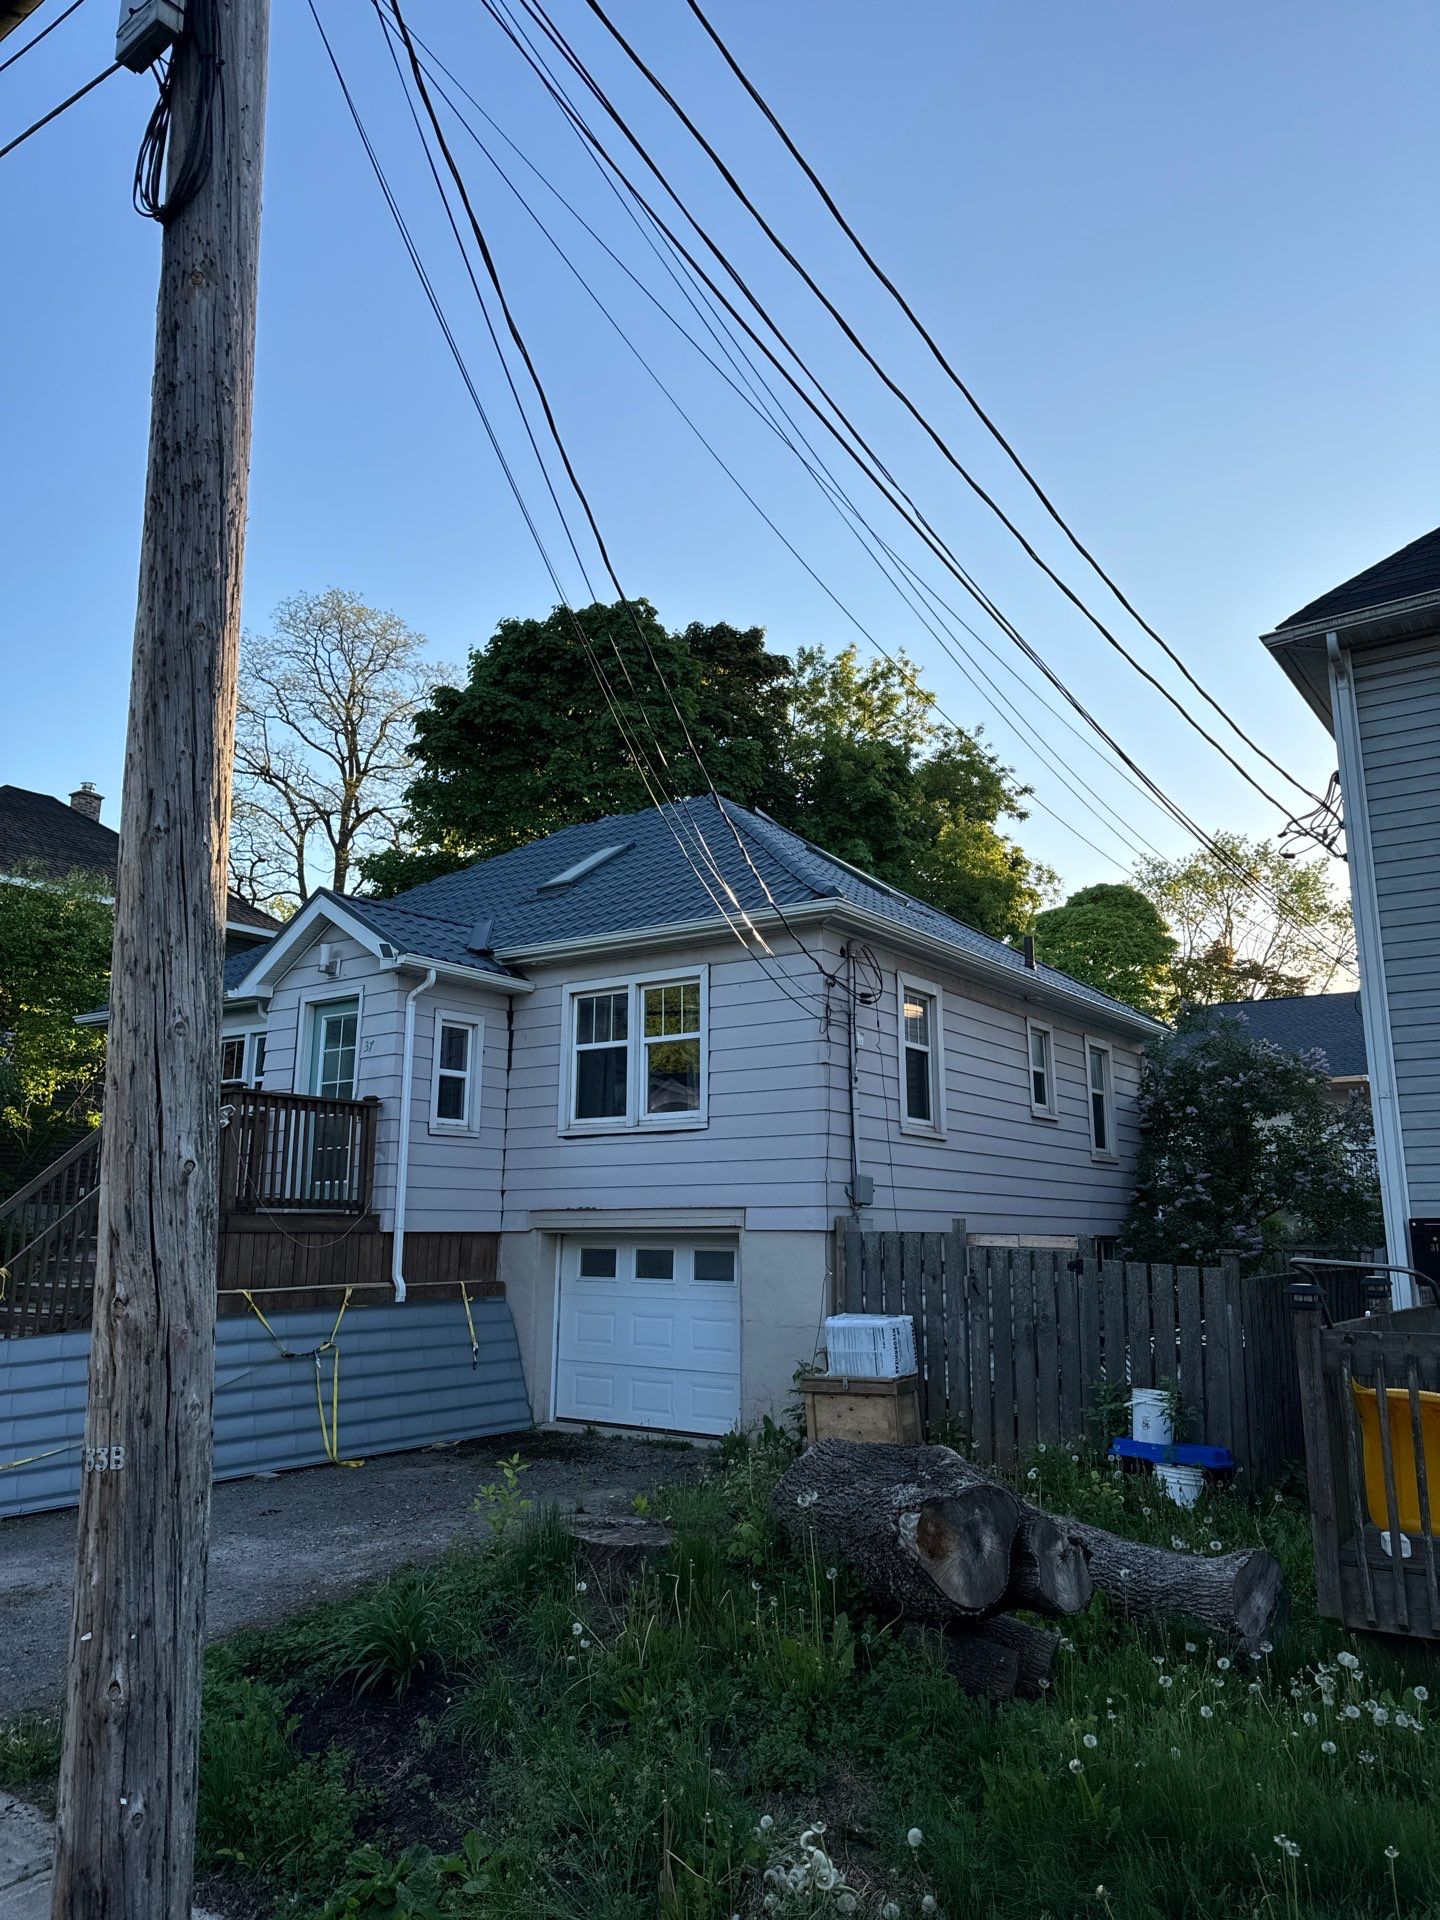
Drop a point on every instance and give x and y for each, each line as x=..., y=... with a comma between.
x=1399, y=705
x=764, y=1146
x=998, y=1166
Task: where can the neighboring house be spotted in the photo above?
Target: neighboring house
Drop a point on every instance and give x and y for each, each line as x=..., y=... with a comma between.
x=43, y=838
x=1327, y=1023
x=638, y=1068
x=1366, y=657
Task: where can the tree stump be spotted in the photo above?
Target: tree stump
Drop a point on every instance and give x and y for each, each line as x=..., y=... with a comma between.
x=925, y=1534
x=616, y=1549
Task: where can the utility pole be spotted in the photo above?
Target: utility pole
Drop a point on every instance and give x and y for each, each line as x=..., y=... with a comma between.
x=126, y=1835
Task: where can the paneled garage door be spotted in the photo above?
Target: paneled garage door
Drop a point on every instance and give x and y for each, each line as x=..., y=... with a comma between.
x=650, y=1332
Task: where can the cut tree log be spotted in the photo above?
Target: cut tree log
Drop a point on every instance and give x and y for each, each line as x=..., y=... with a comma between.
x=994, y=1659
x=1238, y=1594
x=924, y=1534
x=1049, y=1566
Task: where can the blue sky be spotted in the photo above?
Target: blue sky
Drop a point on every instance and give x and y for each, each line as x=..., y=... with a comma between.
x=1179, y=253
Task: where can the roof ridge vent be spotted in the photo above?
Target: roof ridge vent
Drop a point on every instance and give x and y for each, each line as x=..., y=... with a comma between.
x=561, y=882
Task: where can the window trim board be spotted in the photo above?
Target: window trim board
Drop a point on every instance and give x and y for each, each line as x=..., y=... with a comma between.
x=635, y=1119
x=474, y=1075
x=1110, y=1155
x=936, y=1127
x=1051, y=1109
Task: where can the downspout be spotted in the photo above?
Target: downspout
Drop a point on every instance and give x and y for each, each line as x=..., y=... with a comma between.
x=402, y=1159
x=1374, y=997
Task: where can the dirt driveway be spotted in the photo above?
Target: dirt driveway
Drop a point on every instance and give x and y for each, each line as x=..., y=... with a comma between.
x=281, y=1544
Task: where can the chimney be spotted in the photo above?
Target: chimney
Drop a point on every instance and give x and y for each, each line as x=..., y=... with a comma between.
x=87, y=801
x=1029, y=949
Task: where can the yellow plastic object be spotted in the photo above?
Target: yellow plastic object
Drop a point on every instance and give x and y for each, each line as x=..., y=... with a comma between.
x=1402, y=1446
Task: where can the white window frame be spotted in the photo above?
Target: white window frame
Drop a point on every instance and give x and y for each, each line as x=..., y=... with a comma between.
x=934, y=1127
x=1049, y=1109
x=474, y=1025
x=251, y=1039
x=1111, y=1152
x=307, y=1004
x=634, y=1119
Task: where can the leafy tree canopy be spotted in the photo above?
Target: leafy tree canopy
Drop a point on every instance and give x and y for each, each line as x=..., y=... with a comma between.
x=1242, y=1148
x=55, y=938
x=847, y=752
x=1250, y=924
x=1113, y=938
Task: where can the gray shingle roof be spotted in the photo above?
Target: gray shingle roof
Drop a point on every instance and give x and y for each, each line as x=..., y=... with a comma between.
x=38, y=831
x=1330, y=1021
x=1401, y=576
x=669, y=870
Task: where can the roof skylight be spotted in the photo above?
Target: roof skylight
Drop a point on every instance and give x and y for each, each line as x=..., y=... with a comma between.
x=581, y=867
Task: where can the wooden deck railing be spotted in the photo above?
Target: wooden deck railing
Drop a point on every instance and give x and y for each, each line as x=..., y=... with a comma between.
x=280, y=1153
x=288, y=1152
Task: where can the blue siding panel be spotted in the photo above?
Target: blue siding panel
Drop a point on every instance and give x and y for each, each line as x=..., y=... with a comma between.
x=407, y=1380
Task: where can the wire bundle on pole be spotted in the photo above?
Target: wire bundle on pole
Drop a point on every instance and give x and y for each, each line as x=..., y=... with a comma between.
x=153, y=196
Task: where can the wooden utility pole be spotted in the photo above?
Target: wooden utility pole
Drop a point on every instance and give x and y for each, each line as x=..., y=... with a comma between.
x=128, y=1776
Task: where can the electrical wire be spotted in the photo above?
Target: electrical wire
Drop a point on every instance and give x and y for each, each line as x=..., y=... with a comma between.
x=55, y=112
x=574, y=479
x=1017, y=725
x=980, y=413
x=866, y=458
x=153, y=197
x=667, y=812
x=58, y=21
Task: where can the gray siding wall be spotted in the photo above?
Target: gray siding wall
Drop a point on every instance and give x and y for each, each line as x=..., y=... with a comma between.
x=454, y=1181
x=998, y=1166
x=1397, y=693
x=764, y=1146
x=406, y=1380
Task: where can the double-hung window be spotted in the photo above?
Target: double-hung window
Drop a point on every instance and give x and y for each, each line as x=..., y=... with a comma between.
x=922, y=1058
x=242, y=1059
x=637, y=1053
x=455, y=1073
x=1041, y=1044
x=1099, y=1077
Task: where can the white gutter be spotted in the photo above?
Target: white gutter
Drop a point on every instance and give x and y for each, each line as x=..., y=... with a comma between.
x=1374, y=1000
x=402, y=1158
x=468, y=976
x=1022, y=982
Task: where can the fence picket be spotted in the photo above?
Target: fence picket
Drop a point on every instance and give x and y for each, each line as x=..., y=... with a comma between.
x=1003, y=1345
x=981, y=1347
x=1163, y=1323
x=939, y=1357
x=1191, y=1353
x=1047, y=1340
x=1028, y=1370
x=957, y=1348
x=1137, y=1323
x=1115, y=1343
x=1063, y=1280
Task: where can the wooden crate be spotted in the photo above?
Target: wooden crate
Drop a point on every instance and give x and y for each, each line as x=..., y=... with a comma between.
x=841, y=1408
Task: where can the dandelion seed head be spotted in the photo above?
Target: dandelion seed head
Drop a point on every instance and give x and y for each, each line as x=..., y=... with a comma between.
x=914, y=1837
x=1077, y=1766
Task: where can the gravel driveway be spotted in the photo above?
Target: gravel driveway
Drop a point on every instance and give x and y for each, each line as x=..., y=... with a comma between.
x=281, y=1544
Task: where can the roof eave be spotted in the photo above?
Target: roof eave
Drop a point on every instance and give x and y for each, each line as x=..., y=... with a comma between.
x=835, y=908
x=1300, y=650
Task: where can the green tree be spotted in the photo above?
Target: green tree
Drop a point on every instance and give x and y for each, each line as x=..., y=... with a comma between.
x=1242, y=1149
x=530, y=743
x=1249, y=924
x=1114, y=938
x=54, y=963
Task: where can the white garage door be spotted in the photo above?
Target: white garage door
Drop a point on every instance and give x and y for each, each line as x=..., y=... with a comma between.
x=650, y=1332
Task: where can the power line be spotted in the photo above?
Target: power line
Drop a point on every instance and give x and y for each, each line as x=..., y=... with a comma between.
x=893, y=386
x=897, y=497
x=55, y=112
x=669, y=813
x=1017, y=725
x=554, y=430
x=980, y=413
x=58, y=21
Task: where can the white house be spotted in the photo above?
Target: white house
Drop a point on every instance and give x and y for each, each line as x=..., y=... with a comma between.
x=638, y=1068
x=1366, y=658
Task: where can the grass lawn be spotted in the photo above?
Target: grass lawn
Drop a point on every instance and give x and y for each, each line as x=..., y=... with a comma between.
x=738, y=1736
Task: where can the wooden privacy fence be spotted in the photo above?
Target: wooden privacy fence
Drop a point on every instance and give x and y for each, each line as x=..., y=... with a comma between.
x=1014, y=1341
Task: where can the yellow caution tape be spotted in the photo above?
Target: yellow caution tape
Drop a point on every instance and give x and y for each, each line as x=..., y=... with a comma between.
x=470, y=1319
x=329, y=1423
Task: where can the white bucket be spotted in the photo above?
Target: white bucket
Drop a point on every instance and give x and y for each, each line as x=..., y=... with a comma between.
x=1150, y=1416
x=1183, y=1484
